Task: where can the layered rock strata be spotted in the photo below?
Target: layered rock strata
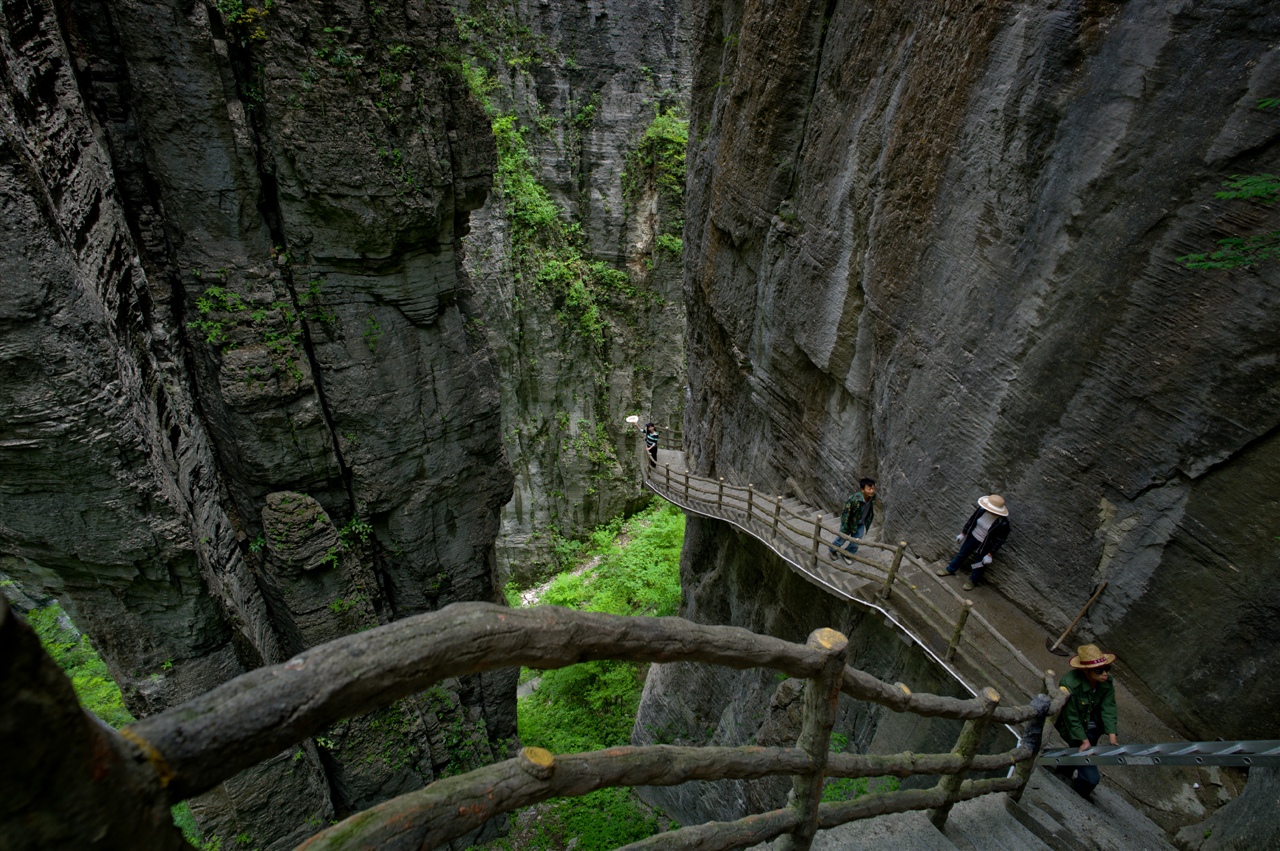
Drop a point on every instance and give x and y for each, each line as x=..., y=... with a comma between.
x=935, y=243
x=245, y=410
x=585, y=314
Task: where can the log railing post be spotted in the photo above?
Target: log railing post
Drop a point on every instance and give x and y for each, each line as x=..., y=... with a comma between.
x=966, y=746
x=686, y=484
x=821, y=701
x=1033, y=737
x=720, y=495
x=817, y=536
x=955, y=636
x=666, y=477
x=777, y=508
x=893, y=571
x=751, y=498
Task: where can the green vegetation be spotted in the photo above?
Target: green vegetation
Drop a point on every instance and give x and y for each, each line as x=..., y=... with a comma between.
x=83, y=666
x=592, y=706
x=849, y=788
x=659, y=162
x=1240, y=251
x=97, y=692
x=546, y=249
x=246, y=21
x=355, y=530
x=659, y=159
x=492, y=34
x=228, y=318
x=372, y=332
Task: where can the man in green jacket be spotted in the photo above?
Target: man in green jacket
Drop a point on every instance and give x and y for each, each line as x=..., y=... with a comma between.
x=1089, y=713
x=859, y=511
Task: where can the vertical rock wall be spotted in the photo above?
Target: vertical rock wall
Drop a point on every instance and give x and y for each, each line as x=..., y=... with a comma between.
x=245, y=410
x=935, y=243
x=580, y=83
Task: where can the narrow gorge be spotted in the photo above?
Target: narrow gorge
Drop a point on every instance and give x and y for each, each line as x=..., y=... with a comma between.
x=315, y=317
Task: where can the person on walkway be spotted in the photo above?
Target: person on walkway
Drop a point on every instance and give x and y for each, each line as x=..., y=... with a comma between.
x=859, y=511
x=651, y=443
x=980, y=538
x=1089, y=713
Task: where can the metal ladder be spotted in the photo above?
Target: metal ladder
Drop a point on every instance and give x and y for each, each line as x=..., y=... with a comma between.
x=1243, y=754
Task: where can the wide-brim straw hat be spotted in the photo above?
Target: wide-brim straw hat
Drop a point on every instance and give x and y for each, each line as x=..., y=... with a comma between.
x=1090, y=656
x=993, y=503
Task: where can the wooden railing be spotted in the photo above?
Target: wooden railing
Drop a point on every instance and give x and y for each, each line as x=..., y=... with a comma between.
x=190, y=748
x=943, y=623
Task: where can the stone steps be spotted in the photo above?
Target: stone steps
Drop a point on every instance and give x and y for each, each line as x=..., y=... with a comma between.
x=1050, y=817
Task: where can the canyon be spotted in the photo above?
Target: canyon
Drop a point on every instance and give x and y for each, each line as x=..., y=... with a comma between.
x=284, y=357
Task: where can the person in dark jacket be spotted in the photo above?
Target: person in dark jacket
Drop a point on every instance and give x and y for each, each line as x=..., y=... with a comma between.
x=859, y=511
x=981, y=538
x=1089, y=713
x=651, y=443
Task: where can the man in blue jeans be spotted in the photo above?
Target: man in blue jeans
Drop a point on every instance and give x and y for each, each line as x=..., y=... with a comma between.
x=980, y=538
x=859, y=511
x=1089, y=713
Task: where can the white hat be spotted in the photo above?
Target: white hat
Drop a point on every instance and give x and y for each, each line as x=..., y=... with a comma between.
x=993, y=503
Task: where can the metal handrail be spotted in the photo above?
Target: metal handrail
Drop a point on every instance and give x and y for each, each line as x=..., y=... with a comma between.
x=765, y=522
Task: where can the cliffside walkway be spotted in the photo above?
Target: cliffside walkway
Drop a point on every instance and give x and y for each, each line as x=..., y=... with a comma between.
x=889, y=579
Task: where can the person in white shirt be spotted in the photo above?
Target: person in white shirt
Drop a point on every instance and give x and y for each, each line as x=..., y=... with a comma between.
x=981, y=538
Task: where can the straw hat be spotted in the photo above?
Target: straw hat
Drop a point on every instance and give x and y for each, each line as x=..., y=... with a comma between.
x=1089, y=656
x=994, y=504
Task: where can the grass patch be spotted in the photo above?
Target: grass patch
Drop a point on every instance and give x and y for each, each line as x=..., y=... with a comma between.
x=592, y=706
x=96, y=691
x=81, y=663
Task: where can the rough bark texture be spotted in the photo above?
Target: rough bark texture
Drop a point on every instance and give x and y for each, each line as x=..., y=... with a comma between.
x=69, y=781
x=934, y=243
x=229, y=247
x=732, y=579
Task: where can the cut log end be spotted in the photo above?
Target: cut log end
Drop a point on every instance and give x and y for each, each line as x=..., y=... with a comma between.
x=539, y=762
x=904, y=688
x=990, y=695
x=828, y=640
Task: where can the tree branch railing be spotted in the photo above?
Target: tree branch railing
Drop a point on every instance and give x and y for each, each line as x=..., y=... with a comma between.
x=190, y=748
x=958, y=637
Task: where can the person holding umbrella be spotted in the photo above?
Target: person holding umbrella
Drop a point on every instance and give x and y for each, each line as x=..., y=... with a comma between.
x=981, y=538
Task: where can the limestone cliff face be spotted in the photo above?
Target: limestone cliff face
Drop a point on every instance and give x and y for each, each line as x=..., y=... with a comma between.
x=588, y=322
x=934, y=243
x=244, y=409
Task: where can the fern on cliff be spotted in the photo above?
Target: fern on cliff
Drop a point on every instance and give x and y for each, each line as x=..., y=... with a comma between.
x=1237, y=252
